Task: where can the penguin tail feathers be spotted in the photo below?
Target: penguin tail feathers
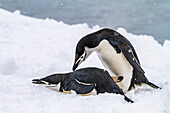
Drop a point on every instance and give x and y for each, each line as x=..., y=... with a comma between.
x=153, y=85
x=127, y=99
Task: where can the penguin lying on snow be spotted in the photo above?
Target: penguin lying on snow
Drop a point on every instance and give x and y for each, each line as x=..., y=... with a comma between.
x=83, y=81
x=117, y=55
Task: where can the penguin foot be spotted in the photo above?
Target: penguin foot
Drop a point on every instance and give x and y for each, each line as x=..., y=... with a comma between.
x=153, y=85
x=120, y=78
x=117, y=79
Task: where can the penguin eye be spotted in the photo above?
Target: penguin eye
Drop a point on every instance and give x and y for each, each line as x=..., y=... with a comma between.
x=83, y=56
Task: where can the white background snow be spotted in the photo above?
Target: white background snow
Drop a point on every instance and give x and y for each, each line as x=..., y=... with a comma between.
x=34, y=48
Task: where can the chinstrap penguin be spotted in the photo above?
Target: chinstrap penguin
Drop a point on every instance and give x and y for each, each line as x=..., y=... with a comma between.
x=83, y=81
x=117, y=55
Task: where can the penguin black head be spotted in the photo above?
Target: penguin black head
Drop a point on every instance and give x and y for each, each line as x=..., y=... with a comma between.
x=80, y=56
x=84, y=48
x=88, y=44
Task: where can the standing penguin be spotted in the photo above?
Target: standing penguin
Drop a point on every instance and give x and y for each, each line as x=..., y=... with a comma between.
x=117, y=55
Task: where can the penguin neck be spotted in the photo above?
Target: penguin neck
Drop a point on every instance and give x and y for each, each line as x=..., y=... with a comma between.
x=89, y=51
x=94, y=45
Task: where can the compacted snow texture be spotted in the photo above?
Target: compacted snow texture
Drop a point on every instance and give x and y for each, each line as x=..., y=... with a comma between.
x=34, y=48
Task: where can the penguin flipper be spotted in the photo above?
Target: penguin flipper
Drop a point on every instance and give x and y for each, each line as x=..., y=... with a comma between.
x=79, y=88
x=128, y=53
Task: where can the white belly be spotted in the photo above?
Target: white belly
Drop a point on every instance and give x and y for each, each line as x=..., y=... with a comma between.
x=116, y=64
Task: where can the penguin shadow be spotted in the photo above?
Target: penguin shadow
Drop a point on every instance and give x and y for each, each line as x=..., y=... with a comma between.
x=147, y=88
x=144, y=89
x=83, y=82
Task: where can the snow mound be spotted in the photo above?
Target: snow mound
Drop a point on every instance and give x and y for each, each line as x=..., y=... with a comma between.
x=33, y=48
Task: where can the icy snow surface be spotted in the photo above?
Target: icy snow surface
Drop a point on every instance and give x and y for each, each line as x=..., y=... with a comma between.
x=33, y=48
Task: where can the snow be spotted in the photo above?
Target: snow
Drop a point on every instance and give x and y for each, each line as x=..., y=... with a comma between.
x=34, y=48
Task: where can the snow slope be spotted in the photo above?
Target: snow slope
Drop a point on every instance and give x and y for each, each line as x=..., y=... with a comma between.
x=33, y=48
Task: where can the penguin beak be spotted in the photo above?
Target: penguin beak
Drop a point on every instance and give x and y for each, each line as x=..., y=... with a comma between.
x=78, y=61
x=75, y=66
x=44, y=83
